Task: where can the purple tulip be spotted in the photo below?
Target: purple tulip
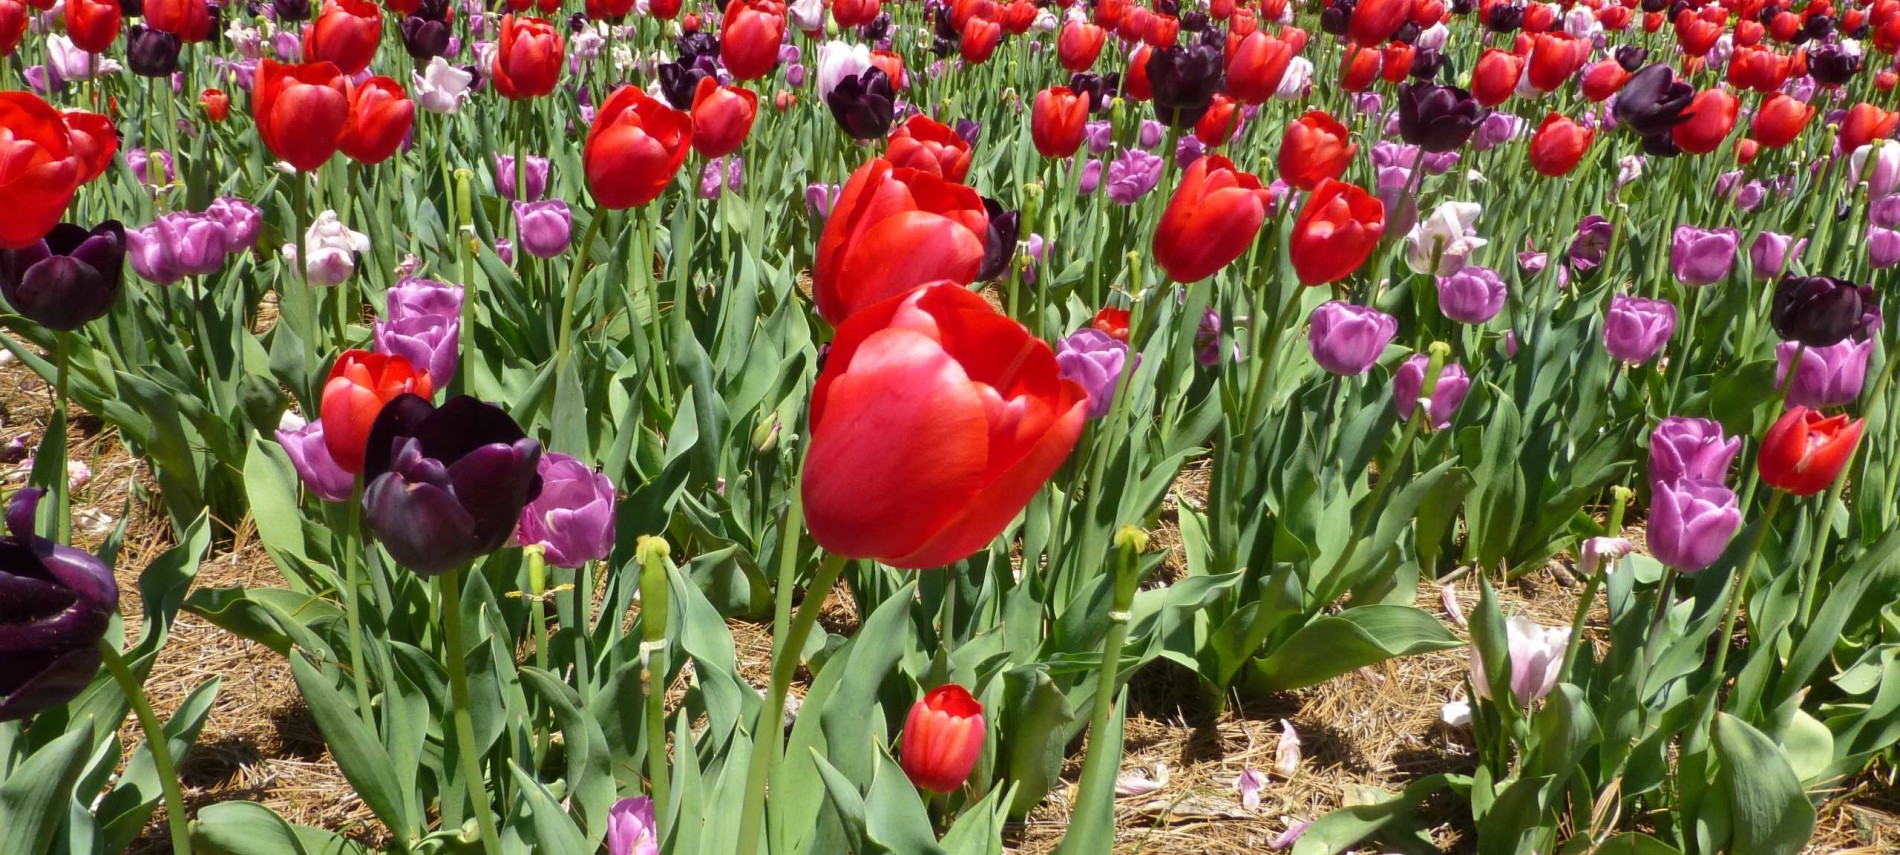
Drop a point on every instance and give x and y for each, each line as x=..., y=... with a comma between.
x=1769, y=255
x=446, y=485
x=1188, y=150
x=1883, y=247
x=1401, y=208
x=1207, y=339
x=1829, y=376
x=630, y=828
x=243, y=222
x=412, y=296
x=1151, y=132
x=1095, y=361
x=546, y=227
x=1473, y=295
x=1591, y=243
x=1497, y=129
x=1348, y=340
x=1132, y=175
x=505, y=250
x=721, y=174
x=177, y=245
x=1409, y=381
x=68, y=278
x=1636, y=328
x=56, y=603
x=1690, y=449
x=1885, y=213
x=535, y=175
x=820, y=197
x=573, y=518
x=1038, y=251
x=1091, y=178
x=141, y=161
x=315, y=467
x=1100, y=137
x=1691, y=522
x=1702, y=256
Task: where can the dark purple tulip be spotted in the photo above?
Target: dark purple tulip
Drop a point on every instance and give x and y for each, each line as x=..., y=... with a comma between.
x=1334, y=19
x=425, y=39
x=1426, y=64
x=1833, y=64
x=446, y=485
x=573, y=518
x=1100, y=88
x=1348, y=340
x=150, y=53
x=999, y=245
x=968, y=129
x=1691, y=522
x=1661, y=145
x=1635, y=328
x=1694, y=449
x=1437, y=118
x=1183, y=80
x=55, y=605
x=1504, y=18
x=1818, y=27
x=67, y=279
x=1096, y=362
x=1591, y=243
x=1828, y=376
x=1653, y=102
x=315, y=467
x=1820, y=310
x=1631, y=57
x=863, y=104
x=696, y=44
x=678, y=81
x=291, y=11
x=877, y=30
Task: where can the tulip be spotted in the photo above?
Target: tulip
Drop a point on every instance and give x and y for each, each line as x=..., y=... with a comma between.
x=148, y=52
x=153, y=169
x=1686, y=449
x=634, y=148
x=1537, y=660
x=1779, y=121
x=216, y=104
x=1297, y=81
x=1079, y=45
x=13, y=20
x=56, y=603
x=44, y=167
x=1183, y=81
x=1879, y=163
x=1057, y=121
x=1315, y=149
x=1865, y=123
x=893, y=230
x=68, y=278
x=856, y=13
x=1255, y=67
x=1635, y=328
x=722, y=117
x=93, y=24
x=1702, y=256
x=446, y=485
x=902, y=408
x=1758, y=68
x=1819, y=311
x=1348, y=340
x=533, y=172
x=999, y=240
x=1592, y=242
x=1558, y=145
x=310, y=456
x=242, y=221
x=631, y=829
x=345, y=33
x=863, y=104
x=943, y=737
x=1710, y=118
x=1358, y=69
x=1437, y=118
x=1132, y=175
x=1602, y=80
x=927, y=145
x=1554, y=58
x=838, y=60
x=572, y=520
x=893, y=67
x=1497, y=129
x=1440, y=244
x=330, y=250
x=1335, y=232
x=428, y=31
x=979, y=40
x=301, y=111
x=1769, y=255
x=423, y=326
x=1495, y=77
x=1883, y=247
x=1095, y=361
x=189, y=20
x=1829, y=376
x=1805, y=451
x=1213, y=217
x=177, y=245
x=820, y=198
x=412, y=298
x=1409, y=381
x=359, y=385
x=1473, y=295
x=381, y=116
x=749, y=38
x=528, y=58
x=1833, y=64
x=1373, y=22
x=1653, y=101
x=545, y=227
x=441, y=87
x=1691, y=522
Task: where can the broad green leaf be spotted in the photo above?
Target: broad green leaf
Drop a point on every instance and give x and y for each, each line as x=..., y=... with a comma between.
x=1771, y=814
x=1357, y=637
x=358, y=750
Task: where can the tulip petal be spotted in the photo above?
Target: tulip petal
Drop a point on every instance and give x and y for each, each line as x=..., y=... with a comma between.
x=422, y=525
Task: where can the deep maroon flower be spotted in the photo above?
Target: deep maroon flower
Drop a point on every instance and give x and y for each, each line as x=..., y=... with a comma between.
x=69, y=278
x=1653, y=101
x=1437, y=118
x=1820, y=310
x=446, y=485
x=55, y=605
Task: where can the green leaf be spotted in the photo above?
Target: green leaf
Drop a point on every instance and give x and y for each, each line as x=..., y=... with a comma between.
x=124, y=811
x=1627, y=843
x=590, y=782
x=358, y=750
x=1357, y=637
x=1037, y=715
x=1770, y=813
x=894, y=815
x=844, y=799
x=1092, y=825
x=32, y=796
x=553, y=830
x=248, y=828
x=1339, y=831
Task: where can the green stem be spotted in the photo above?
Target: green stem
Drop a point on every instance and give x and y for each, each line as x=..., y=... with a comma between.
x=654, y=608
x=155, y=741
x=449, y=588
x=62, y=380
x=352, y=605
x=1589, y=598
x=1097, y=787
x=1723, y=641
x=572, y=295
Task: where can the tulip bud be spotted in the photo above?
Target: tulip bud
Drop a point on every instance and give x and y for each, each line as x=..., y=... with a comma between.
x=1440, y=401
x=1691, y=522
x=1348, y=340
x=1829, y=376
x=943, y=737
x=572, y=521
x=1096, y=362
x=1820, y=310
x=68, y=278
x=1536, y=656
x=546, y=227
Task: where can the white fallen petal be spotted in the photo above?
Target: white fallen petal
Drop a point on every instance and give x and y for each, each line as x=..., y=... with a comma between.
x=1456, y=713
x=1137, y=782
x=1452, y=610
x=1249, y=783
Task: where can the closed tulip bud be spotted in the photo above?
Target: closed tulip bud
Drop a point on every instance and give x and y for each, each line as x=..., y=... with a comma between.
x=749, y=37
x=1057, y=121
x=1314, y=149
x=1602, y=80
x=1780, y=120
x=1537, y=660
x=546, y=227
x=1635, y=329
x=1437, y=118
x=310, y=456
x=528, y=58
x=1214, y=216
x=872, y=249
x=904, y=408
x=863, y=104
x=533, y=172
x=177, y=245
x=635, y=147
x=216, y=104
x=301, y=111
x=572, y=520
x=70, y=277
x=1094, y=361
x=446, y=485
x=1878, y=163
x=56, y=603
x=631, y=829
x=1335, y=232
x=722, y=117
x=1691, y=523
x=1558, y=145
x=1769, y=255
x=1183, y=81
x=1256, y=65
x=943, y=737
x=1820, y=310
x=1829, y=376
x=1653, y=101
x=1883, y=247
x=1408, y=384
x=1711, y=116
x=1690, y=449
x=1348, y=340
x=1079, y=45
x=1473, y=295
x=1495, y=77
x=1702, y=256
x=150, y=52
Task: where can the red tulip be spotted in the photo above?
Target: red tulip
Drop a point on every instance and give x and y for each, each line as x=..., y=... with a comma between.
x=722, y=117
x=892, y=230
x=93, y=24
x=1696, y=34
x=1057, y=120
x=360, y=384
x=927, y=145
x=1358, y=68
x=1314, y=149
x=1758, y=68
x=1554, y=58
x=1336, y=230
x=1395, y=62
x=1713, y=114
x=216, y=104
x=1108, y=13
x=1784, y=26
x=634, y=148
x=1112, y=321
x=1603, y=79
x=1374, y=21
x=1615, y=18
x=610, y=10
x=667, y=10
x=1162, y=31
x=189, y=20
x=1864, y=124
x=1539, y=18
x=1214, y=215
x=1559, y=144
x=1135, y=80
x=892, y=65
x=381, y=114
x=750, y=36
x=1886, y=80
x=1780, y=120
x=980, y=38
x=943, y=739
x=1805, y=451
x=1749, y=32
x=1255, y=65
x=1079, y=45
x=855, y=13
x=953, y=414
x=41, y=172
x=1133, y=25
x=94, y=142
x=1495, y=76
x=1746, y=150
x=13, y=16
x=301, y=110
x=346, y=33
x=528, y=58
x=1017, y=17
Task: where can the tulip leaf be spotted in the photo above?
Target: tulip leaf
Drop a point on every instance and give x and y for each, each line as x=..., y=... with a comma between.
x=33, y=796
x=1339, y=831
x=1565, y=728
x=270, y=483
x=1337, y=644
x=124, y=811
x=590, y=783
x=844, y=800
x=1092, y=825
x=358, y=750
x=1627, y=843
x=1769, y=812
x=894, y=815
x=553, y=830
x=248, y=828
x=1033, y=729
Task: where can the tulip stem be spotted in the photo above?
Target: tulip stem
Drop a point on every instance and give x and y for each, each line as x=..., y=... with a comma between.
x=353, y=601
x=574, y=277
x=1811, y=578
x=1699, y=737
x=1614, y=527
x=449, y=588
x=155, y=742
x=62, y=484
x=1098, y=783
x=654, y=673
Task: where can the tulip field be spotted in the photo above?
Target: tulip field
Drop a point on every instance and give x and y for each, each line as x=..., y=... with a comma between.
x=848, y=426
